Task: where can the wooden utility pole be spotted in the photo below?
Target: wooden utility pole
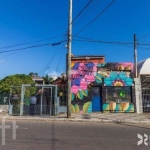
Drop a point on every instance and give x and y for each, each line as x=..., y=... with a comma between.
x=69, y=59
x=135, y=55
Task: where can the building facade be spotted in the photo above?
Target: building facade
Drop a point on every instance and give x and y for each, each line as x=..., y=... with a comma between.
x=99, y=86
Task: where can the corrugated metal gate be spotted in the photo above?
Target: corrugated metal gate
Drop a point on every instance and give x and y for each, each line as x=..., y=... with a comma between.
x=146, y=100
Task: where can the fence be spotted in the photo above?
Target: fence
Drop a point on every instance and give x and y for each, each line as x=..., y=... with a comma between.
x=146, y=100
x=4, y=98
x=36, y=110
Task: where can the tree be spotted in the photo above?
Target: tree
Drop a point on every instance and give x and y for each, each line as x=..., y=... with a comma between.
x=47, y=79
x=33, y=74
x=11, y=81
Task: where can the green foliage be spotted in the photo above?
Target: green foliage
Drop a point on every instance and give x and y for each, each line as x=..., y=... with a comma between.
x=31, y=74
x=16, y=80
x=47, y=79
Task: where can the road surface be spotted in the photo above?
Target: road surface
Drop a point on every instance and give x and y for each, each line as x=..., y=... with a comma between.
x=55, y=135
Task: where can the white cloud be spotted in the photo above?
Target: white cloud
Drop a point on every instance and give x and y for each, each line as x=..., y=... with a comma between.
x=53, y=74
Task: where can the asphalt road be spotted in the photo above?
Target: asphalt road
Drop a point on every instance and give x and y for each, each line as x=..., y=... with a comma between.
x=36, y=135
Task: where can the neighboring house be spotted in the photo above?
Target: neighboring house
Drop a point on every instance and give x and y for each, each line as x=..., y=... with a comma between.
x=62, y=90
x=99, y=86
x=38, y=80
x=144, y=76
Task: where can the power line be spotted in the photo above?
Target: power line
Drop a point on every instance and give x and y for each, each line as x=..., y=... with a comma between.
x=43, y=33
x=50, y=61
x=143, y=44
x=34, y=46
x=53, y=57
x=111, y=42
x=8, y=55
x=83, y=9
x=87, y=12
x=144, y=36
x=96, y=17
x=145, y=48
x=107, y=42
x=5, y=47
x=60, y=59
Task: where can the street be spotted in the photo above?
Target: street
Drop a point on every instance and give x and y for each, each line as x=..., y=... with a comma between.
x=65, y=135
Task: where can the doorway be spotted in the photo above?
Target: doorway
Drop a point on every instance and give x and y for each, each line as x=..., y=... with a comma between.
x=96, y=99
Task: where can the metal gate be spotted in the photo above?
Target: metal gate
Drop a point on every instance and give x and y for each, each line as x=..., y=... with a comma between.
x=45, y=100
x=146, y=100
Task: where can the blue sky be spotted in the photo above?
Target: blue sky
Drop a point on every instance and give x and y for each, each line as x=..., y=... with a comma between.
x=27, y=21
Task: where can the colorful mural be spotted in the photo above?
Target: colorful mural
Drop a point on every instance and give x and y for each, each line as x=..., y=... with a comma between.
x=118, y=79
x=85, y=75
x=118, y=107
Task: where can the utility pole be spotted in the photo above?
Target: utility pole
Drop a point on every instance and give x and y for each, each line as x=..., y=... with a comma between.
x=135, y=55
x=69, y=59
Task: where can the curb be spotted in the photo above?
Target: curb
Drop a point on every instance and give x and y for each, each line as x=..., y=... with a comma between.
x=78, y=120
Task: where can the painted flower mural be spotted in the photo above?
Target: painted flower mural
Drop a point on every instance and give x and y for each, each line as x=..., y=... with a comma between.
x=82, y=76
x=85, y=75
x=118, y=83
x=118, y=79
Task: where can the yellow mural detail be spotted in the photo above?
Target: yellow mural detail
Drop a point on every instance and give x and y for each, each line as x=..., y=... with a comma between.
x=77, y=109
x=120, y=108
x=84, y=93
x=124, y=106
x=128, y=67
x=72, y=109
x=121, y=67
x=72, y=64
x=112, y=106
x=86, y=106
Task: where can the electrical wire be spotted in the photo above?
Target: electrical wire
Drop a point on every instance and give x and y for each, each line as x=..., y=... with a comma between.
x=87, y=13
x=60, y=59
x=50, y=61
x=143, y=36
x=8, y=55
x=34, y=46
x=144, y=48
x=143, y=44
x=5, y=47
x=53, y=57
x=83, y=9
x=43, y=33
x=95, y=17
x=99, y=41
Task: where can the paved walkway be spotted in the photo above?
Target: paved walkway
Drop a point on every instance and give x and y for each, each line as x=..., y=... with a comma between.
x=93, y=117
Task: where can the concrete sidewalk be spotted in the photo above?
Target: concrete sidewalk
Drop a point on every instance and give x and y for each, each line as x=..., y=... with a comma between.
x=93, y=117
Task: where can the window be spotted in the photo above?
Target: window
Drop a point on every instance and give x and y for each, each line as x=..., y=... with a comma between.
x=118, y=94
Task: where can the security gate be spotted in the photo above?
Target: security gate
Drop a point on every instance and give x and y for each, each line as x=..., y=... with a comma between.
x=46, y=99
x=37, y=99
x=146, y=100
